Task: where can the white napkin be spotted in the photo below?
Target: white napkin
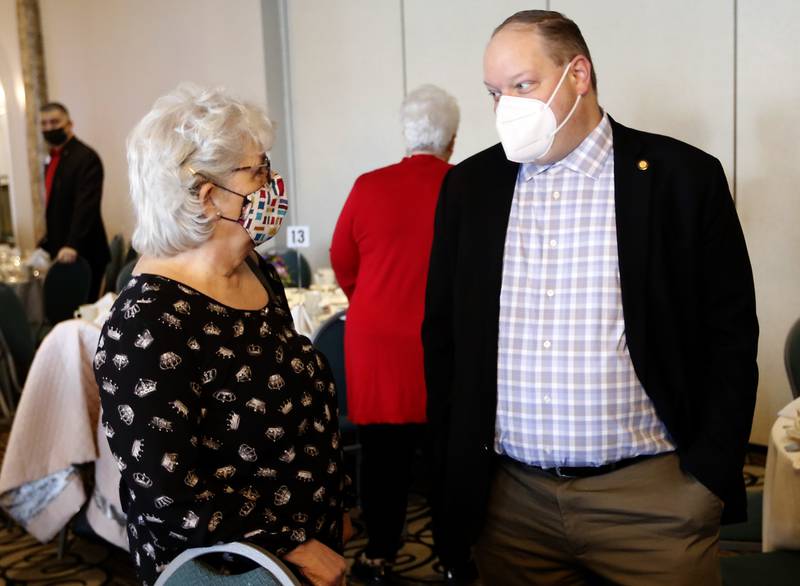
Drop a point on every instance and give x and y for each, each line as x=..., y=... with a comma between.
x=39, y=260
x=302, y=321
x=791, y=409
x=103, y=307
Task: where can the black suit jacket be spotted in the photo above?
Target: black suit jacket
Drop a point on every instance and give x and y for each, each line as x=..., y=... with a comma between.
x=688, y=303
x=73, y=211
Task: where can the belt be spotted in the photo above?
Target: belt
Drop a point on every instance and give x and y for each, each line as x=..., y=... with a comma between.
x=579, y=471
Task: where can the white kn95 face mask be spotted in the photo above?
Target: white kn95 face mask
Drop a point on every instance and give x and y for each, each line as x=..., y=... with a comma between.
x=527, y=127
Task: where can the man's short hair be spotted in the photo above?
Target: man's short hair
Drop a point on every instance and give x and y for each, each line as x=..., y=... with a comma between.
x=564, y=38
x=50, y=106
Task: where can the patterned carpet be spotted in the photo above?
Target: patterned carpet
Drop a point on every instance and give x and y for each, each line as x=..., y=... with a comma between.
x=89, y=561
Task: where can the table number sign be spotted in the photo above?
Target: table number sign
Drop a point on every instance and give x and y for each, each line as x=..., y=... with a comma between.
x=298, y=237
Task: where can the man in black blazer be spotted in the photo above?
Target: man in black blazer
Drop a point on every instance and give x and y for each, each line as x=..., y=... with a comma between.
x=541, y=470
x=74, y=188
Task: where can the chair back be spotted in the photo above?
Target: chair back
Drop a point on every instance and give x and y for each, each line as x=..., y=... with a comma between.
x=117, y=247
x=66, y=287
x=791, y=358
x=329, y=339
x=16, y=331
x=185, y=570
x=130, y=255
x=297, y=266
x=125, y=274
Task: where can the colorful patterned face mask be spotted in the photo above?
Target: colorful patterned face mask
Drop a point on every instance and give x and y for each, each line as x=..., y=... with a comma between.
x=263, y=211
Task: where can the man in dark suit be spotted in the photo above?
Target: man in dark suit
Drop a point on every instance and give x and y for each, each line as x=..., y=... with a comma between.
x=74, y=188
x=590, y=337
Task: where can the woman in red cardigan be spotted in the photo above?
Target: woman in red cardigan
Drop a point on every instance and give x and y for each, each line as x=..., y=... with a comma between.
x=380, y=254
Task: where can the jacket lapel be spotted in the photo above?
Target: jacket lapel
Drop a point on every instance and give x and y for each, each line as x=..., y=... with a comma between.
x=632, y=192
x=499, y=183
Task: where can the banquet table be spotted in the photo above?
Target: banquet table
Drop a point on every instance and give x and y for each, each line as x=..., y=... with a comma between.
x=56, y=432
x=313, y=306
x=23, y=272
x=781, y=529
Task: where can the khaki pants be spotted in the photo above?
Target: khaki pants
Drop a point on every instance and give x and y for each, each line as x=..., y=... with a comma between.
x=648, y=523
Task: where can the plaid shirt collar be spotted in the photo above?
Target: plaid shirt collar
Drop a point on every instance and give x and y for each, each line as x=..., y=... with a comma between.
x=587, y=158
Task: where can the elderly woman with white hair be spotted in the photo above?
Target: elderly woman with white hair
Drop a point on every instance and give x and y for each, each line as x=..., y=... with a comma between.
x=380, y=255
x=221, y=417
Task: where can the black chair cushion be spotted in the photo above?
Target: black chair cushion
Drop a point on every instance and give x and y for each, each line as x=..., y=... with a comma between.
x=16, y=331
x=66, y=287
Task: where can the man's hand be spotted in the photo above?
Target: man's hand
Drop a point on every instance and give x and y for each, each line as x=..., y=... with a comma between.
x=67, y=254
x=318, y=563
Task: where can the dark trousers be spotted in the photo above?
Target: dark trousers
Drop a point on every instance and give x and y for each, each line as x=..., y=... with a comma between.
x=387, y=459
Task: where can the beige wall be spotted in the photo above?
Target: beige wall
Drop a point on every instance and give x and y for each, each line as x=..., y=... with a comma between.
x=108, y=60
x=768, y=178
x=14, y=142
x=658, y=71
x=721, y=80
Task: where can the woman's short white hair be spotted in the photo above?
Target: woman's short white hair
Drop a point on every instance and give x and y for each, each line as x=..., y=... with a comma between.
x=430, y=119
x=190, y=135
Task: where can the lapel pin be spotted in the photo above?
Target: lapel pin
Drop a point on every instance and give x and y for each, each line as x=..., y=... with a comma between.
x=643, y=165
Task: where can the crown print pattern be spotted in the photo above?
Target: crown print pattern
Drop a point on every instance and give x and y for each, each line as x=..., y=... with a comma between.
x=222, y=422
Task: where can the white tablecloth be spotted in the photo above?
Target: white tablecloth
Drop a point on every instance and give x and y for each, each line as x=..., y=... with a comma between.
x=56, y=429
x=311, y=307
x=781, y=529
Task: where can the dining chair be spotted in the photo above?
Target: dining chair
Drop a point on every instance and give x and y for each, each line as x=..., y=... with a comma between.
x=9, y=387
x=66, y=287
x=745, y=536
x=187, y=570
x=114, y=265
x=125, y=274
x=791, y=358
x=130, y=255
x=329, y=339
x=776, y=568
x=16, y=332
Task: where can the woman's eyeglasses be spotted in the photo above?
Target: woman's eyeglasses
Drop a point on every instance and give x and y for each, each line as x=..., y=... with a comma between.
x=263, y=170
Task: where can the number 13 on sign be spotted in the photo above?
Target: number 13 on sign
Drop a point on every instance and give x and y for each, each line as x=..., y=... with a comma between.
x=298, y=237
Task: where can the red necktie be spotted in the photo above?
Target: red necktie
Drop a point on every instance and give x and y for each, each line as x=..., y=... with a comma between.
x=55, y=157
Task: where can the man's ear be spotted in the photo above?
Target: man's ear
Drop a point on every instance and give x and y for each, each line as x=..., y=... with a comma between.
x=582, y=74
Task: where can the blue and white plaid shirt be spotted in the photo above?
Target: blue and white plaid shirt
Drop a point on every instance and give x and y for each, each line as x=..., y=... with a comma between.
x=567, y=391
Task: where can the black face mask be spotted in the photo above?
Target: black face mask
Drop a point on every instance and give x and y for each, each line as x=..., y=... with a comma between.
x=56, y=136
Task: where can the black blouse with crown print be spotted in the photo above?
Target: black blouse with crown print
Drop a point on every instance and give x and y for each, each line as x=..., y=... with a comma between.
x=223, y=423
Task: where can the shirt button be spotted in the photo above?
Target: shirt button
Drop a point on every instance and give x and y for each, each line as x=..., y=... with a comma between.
x=556, y=194
x=546, y=344
x=547, y=398
x=550, y=292
x=548, y=451
x=553, y=243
